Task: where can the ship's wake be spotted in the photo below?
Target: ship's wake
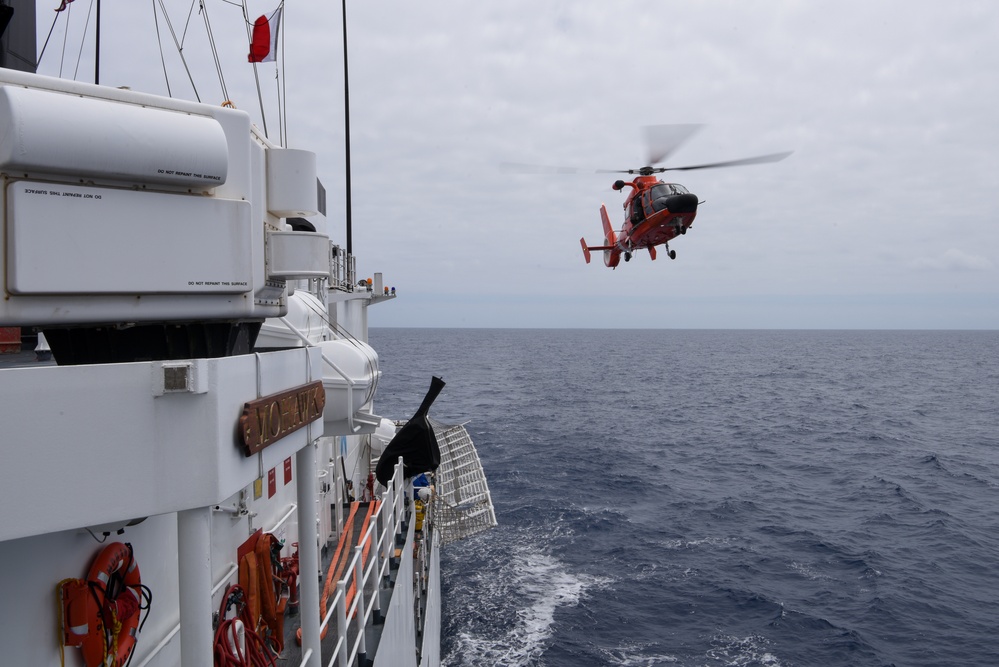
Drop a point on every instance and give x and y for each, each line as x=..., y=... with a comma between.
x=508, y=599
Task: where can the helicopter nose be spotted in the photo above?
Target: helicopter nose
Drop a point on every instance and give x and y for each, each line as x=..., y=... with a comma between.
x=682, y=203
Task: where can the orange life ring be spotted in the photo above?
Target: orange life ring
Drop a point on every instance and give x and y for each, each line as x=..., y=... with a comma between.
x=101, y=613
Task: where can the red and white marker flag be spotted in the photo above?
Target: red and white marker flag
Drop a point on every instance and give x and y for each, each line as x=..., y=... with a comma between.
x=263, y=46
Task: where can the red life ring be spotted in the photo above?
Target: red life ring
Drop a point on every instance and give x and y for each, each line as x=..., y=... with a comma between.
x=101, y=613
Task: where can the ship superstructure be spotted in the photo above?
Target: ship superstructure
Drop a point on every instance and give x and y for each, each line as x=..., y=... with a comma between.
x=210, y=405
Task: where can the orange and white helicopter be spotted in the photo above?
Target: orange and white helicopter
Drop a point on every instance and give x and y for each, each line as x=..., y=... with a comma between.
x=656, y=212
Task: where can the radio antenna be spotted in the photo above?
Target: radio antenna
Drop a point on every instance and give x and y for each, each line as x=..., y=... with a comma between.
x=346, y=124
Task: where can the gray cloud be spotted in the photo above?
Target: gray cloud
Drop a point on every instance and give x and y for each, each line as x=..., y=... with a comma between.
x=953, y=260
x=889, y=107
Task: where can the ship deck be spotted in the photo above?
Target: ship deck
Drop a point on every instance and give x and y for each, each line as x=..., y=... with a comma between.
x=292, y=654
x=22, y=359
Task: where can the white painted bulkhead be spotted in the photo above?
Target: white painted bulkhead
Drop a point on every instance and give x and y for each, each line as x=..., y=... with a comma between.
x=122, y=451
x=101, y=459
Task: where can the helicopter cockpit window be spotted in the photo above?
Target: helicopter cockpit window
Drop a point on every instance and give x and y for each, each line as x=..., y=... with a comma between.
x=658, y=195
x=667, y=189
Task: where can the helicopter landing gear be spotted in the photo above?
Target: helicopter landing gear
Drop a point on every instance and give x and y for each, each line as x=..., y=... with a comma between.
x=627, y=256
x=672, y=254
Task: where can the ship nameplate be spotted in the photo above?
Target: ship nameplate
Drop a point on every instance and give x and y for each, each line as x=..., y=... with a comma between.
x=266, y=420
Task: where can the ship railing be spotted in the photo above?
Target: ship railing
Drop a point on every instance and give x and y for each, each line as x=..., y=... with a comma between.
x=343, y=269
x=423, y=546
x=379, y=540
x=388, y=522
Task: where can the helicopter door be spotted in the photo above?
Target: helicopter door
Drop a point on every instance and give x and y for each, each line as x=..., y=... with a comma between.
x=637, y=211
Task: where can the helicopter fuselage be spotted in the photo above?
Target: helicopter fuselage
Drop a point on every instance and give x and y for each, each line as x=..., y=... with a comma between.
x=654, y=214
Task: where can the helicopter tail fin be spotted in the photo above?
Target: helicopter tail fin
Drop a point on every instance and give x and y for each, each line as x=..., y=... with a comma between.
x=611, y=252
x=609, y=235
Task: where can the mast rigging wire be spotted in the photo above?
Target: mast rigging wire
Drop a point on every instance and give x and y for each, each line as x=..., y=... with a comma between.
x=159, y=43
x=187, y=23
x=214, y=48
x=47, y=38
x=79, y=56
x=65, y=36
x=180, y=46
x=283, y=93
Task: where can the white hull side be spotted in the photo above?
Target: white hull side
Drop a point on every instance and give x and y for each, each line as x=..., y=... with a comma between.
x=397, y=647
x=431, y=650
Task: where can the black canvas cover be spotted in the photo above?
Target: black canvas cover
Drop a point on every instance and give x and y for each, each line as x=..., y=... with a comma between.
x=415, y=442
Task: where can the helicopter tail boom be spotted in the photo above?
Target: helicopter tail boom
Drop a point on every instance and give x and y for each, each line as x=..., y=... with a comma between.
x=588, y=248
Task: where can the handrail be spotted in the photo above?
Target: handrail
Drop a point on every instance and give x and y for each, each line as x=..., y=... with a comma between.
x=280, y=522
x=233, y=569
x=379, y=541
x=159, y=647
x=379, y=535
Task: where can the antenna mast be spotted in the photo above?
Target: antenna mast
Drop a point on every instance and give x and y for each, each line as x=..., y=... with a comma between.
x=346, y=123
x=97, y=47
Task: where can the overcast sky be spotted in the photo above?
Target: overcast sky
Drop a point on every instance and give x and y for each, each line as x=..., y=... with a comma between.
x=885, y=216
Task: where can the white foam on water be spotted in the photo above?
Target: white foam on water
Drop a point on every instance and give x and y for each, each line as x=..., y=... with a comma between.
x=808, y=571
x=693, y=544
x=738, y=651
x=635, y=655
x=536, y=584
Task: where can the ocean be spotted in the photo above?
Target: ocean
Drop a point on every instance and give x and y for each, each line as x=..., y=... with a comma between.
x=681, y=497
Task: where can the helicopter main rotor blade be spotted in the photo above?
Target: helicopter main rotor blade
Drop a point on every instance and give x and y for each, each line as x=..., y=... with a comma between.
x=642, y=171
x=761, y=159
x=662, y=140
x=524, y=168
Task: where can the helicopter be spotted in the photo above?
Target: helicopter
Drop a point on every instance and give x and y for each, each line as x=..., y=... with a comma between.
x=656, y=212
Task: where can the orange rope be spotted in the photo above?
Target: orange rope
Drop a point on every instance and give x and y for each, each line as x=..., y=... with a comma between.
x=331, y=576
x=340, y=559
x=364, y=552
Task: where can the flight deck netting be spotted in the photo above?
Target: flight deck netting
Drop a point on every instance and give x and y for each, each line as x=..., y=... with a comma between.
x=462, y=504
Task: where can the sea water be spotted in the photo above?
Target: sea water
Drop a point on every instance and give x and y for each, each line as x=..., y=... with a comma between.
x=686, y=497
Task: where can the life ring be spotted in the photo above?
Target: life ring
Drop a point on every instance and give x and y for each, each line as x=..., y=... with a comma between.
x=101, y=613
